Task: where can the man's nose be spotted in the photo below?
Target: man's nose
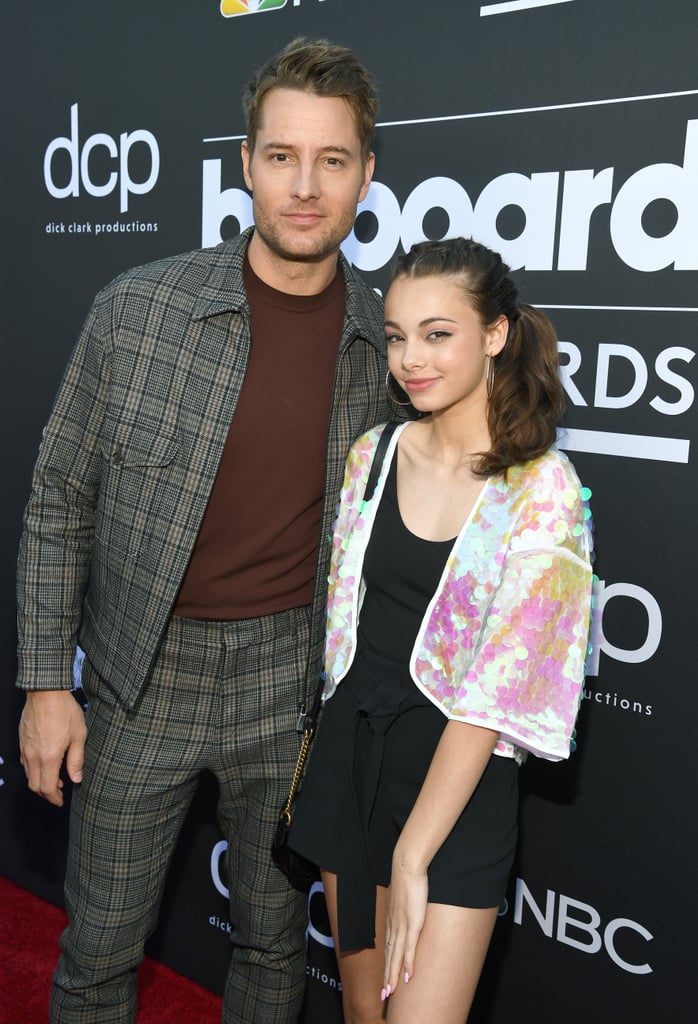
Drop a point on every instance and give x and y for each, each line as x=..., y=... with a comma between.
x=306, y=182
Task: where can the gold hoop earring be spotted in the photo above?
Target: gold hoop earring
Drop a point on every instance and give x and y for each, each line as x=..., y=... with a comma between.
x=391, y=396
x=489, y=376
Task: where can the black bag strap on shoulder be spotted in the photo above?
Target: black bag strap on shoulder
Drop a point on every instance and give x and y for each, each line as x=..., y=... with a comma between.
x=378, y=457
x=308, y=720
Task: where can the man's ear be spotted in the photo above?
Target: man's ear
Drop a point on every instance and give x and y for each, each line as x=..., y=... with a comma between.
x=369, y=167
x=246, y=156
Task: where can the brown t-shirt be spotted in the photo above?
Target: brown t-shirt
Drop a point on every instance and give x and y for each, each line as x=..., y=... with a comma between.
x=256, y=550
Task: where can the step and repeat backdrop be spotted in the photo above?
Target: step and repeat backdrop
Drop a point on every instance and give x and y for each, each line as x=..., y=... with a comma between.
x=563, y=132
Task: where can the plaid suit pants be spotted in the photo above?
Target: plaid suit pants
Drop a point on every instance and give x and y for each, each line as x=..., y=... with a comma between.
x=222, y=697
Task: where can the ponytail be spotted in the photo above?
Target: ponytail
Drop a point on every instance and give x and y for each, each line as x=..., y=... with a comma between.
x=527, y=400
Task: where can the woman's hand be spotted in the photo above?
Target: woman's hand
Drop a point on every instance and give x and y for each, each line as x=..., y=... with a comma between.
x=407, y=907
x=459, y=760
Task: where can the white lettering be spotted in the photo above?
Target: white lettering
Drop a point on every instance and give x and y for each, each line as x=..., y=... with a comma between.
x=545, y=921
x=71, y=145
x=382, y=204
x=659, y=181
x=584, y=192
x=571, y=361
x=218, y=204
x=79, y=162
x=216, y=854
x=568, y=370
x=602, y=399
x=128, y=185
x=608, y=940
x=537, y=197
x=589, y=927
x=684, y=387
x=603, y=594
x=436, y=193
x=322, y=937
x=99, y=139
x=585, y=919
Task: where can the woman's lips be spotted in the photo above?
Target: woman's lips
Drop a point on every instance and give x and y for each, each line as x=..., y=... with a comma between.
x=419, y=384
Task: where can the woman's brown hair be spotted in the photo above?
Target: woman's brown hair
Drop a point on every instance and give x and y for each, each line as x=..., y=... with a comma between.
x=526, y=401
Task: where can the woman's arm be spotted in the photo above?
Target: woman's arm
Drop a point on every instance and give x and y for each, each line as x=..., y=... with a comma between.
x=459, y=760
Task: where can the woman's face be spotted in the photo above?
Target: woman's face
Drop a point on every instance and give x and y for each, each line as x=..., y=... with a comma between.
x=437, y=346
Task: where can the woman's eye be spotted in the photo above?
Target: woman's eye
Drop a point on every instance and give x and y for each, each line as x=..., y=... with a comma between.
x=438, y=335
x=393, y=338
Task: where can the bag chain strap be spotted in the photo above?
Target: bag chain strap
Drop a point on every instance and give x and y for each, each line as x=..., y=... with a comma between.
x=285, y=815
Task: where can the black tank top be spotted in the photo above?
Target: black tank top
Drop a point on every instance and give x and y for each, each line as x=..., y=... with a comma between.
x=402, y=572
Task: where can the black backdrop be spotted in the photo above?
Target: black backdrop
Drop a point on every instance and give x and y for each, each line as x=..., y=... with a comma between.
x=566, y=134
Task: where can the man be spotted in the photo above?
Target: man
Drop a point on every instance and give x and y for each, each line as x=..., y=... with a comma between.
x=178, y=530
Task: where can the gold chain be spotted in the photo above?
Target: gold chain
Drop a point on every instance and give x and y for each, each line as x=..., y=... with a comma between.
x=285, y=815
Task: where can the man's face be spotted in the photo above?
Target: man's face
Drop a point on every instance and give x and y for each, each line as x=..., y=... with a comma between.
x=306, y=176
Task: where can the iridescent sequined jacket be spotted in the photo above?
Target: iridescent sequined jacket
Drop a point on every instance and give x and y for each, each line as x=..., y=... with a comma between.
x=504, y=638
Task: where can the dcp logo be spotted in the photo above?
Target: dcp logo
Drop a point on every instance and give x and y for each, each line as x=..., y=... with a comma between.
x=603, y=594
x=80, y=163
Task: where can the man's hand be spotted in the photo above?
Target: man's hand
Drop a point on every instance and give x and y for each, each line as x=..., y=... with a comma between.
x=52, y=726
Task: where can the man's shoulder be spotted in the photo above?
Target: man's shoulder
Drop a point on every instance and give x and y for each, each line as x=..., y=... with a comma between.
x=363, y=302
x=184, y=273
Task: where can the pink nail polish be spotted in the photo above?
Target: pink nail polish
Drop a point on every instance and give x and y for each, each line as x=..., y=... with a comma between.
x=382, y=995
x=387, y=992
x=407, y=977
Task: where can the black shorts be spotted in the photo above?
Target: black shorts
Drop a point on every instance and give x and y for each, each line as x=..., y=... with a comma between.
x=472, y=866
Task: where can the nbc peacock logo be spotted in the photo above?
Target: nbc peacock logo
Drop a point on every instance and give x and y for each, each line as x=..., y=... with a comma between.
x=232, y=8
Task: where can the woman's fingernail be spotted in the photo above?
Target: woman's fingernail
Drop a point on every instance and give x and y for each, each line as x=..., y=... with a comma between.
x=383, y=994
x=407, y=977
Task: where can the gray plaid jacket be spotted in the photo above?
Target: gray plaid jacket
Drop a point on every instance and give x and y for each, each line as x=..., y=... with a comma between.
x=130, y=454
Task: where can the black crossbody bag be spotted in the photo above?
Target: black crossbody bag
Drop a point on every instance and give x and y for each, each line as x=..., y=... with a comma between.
x=301, y=872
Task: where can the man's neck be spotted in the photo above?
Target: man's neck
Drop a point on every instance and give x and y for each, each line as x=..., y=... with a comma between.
x=289, y=276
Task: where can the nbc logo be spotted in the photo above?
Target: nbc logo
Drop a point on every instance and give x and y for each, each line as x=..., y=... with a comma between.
x=231, y=8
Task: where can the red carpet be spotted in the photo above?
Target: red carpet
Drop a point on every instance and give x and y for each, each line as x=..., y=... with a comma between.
x=30, y=929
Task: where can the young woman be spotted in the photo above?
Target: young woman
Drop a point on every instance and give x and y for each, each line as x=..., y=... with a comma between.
x=458, y=617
